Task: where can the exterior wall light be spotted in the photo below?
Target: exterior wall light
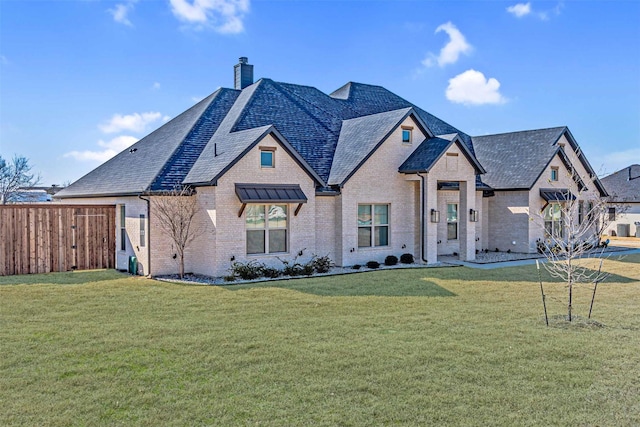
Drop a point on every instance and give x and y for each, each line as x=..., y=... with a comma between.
x=435, y=215
x=473, y=215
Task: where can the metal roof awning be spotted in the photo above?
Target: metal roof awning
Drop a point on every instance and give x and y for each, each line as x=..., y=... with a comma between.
x=556, y=195
x=270, y=193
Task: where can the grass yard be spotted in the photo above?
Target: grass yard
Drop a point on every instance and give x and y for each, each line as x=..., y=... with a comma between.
x=443, y=346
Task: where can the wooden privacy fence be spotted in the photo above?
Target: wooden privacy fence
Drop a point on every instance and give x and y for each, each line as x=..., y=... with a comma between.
x=47, y=238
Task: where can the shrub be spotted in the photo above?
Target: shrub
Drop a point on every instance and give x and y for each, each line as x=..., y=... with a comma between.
x=307, y=269
x=356, y=266
x=247, y=271
x=229, y=278
x=271, y=272
x=391, y=260
x=373, y=264
x=406, y=258
x=321, y=264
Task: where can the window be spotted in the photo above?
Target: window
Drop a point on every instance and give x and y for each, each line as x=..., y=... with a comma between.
x=554, y=174
x=612, y=214
x=553, y=220
x=406, y=135
x=267, y=158
x=580, y=212
x=452, y=221
x=142, y=230
x=123, y=229
x=266, y=227
x=589, y=211
x=373, y=225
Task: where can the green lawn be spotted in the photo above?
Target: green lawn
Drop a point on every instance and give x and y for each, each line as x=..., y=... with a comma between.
x=439, y=346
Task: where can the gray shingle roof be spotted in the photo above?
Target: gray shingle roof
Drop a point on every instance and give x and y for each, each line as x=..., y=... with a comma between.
x=516, y=159
x=430, y=150
x=624, y=185
x=205, y=141
x=358, y=138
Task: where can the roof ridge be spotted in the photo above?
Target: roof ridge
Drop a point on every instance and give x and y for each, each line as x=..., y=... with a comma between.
x=297, y=100
x=520, y=131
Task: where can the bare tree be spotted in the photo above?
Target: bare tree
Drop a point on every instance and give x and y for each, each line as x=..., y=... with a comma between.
x=176, y=210
x=13, y=176
x=573, y=222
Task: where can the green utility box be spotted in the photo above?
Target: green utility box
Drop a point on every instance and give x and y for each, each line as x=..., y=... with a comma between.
x=133, y=265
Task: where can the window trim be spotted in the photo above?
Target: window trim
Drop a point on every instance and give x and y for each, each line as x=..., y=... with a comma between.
x=556, y=225
x=408, y=129
x=580, y=212
x=372, y=227
x=555, y=173
x=266, y=229
x=143, y=230
x=123, y=228
x=611, y=213
x=456, y=222
x=272, y=151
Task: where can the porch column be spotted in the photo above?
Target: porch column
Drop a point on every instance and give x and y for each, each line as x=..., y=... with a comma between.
x=430, y=240
x=467, y=228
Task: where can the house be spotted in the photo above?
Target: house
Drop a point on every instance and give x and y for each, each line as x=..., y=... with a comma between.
x=529, y=173
x=624, y=202
x=283, y=170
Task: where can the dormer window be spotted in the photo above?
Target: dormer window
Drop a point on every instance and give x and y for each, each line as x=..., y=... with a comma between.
x=267, y=157
x=554, y=174
x=407, y=136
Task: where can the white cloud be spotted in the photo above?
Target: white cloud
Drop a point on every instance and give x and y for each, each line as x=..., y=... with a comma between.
x=135, y=122
x=109, y=149
x=121, y=11
x=156, y=86
x=519, y=10
x=223, y=16
x=523, y=9
x=473, y=88
x=618, y=160
x=3, y=60
x=450, y=53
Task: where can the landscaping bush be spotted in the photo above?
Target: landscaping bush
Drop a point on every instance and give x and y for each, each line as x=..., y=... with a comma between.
x=307, y=269
x=373, y=264
x=247, y=271
x=356, y=266
x=229, y=278
x=321, y=264
x=406, y=258
x=271, y=272
x=391, y=260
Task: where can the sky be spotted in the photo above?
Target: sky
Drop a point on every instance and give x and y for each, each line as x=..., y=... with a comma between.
x=81, y=80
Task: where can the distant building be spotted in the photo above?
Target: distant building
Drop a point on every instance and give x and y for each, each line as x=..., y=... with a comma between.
x=624, y=190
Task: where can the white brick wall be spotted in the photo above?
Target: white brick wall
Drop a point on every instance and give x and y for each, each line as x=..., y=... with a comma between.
x=378, y=182
x=225, y=235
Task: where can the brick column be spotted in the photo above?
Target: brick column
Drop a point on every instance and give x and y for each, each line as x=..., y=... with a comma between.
x=467, y=228
x=430, y=240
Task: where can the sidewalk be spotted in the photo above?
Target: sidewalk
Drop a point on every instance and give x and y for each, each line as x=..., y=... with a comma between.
x=516, y=263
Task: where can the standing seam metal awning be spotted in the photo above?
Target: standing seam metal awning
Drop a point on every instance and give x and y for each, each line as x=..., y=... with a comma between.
x=556, y=195
x=270, y=193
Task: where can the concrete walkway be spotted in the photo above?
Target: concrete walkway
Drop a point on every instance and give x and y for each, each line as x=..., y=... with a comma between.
x=518, y=263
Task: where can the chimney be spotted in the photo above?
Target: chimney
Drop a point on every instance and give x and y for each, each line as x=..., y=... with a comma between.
x=243, y=73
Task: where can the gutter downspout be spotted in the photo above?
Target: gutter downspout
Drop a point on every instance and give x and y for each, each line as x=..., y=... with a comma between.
x=148, y=234
x=423, y=207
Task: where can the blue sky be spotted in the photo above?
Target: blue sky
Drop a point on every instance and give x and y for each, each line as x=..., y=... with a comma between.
x=81, y=80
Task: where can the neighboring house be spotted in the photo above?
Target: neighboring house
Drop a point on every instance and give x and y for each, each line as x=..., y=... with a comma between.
x=281, y=169
x=33, y=194
x=624, y=191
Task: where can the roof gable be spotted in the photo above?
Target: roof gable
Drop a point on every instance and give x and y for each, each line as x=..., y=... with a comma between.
x=515, y=160
x=431, y=150
x=359, y=138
